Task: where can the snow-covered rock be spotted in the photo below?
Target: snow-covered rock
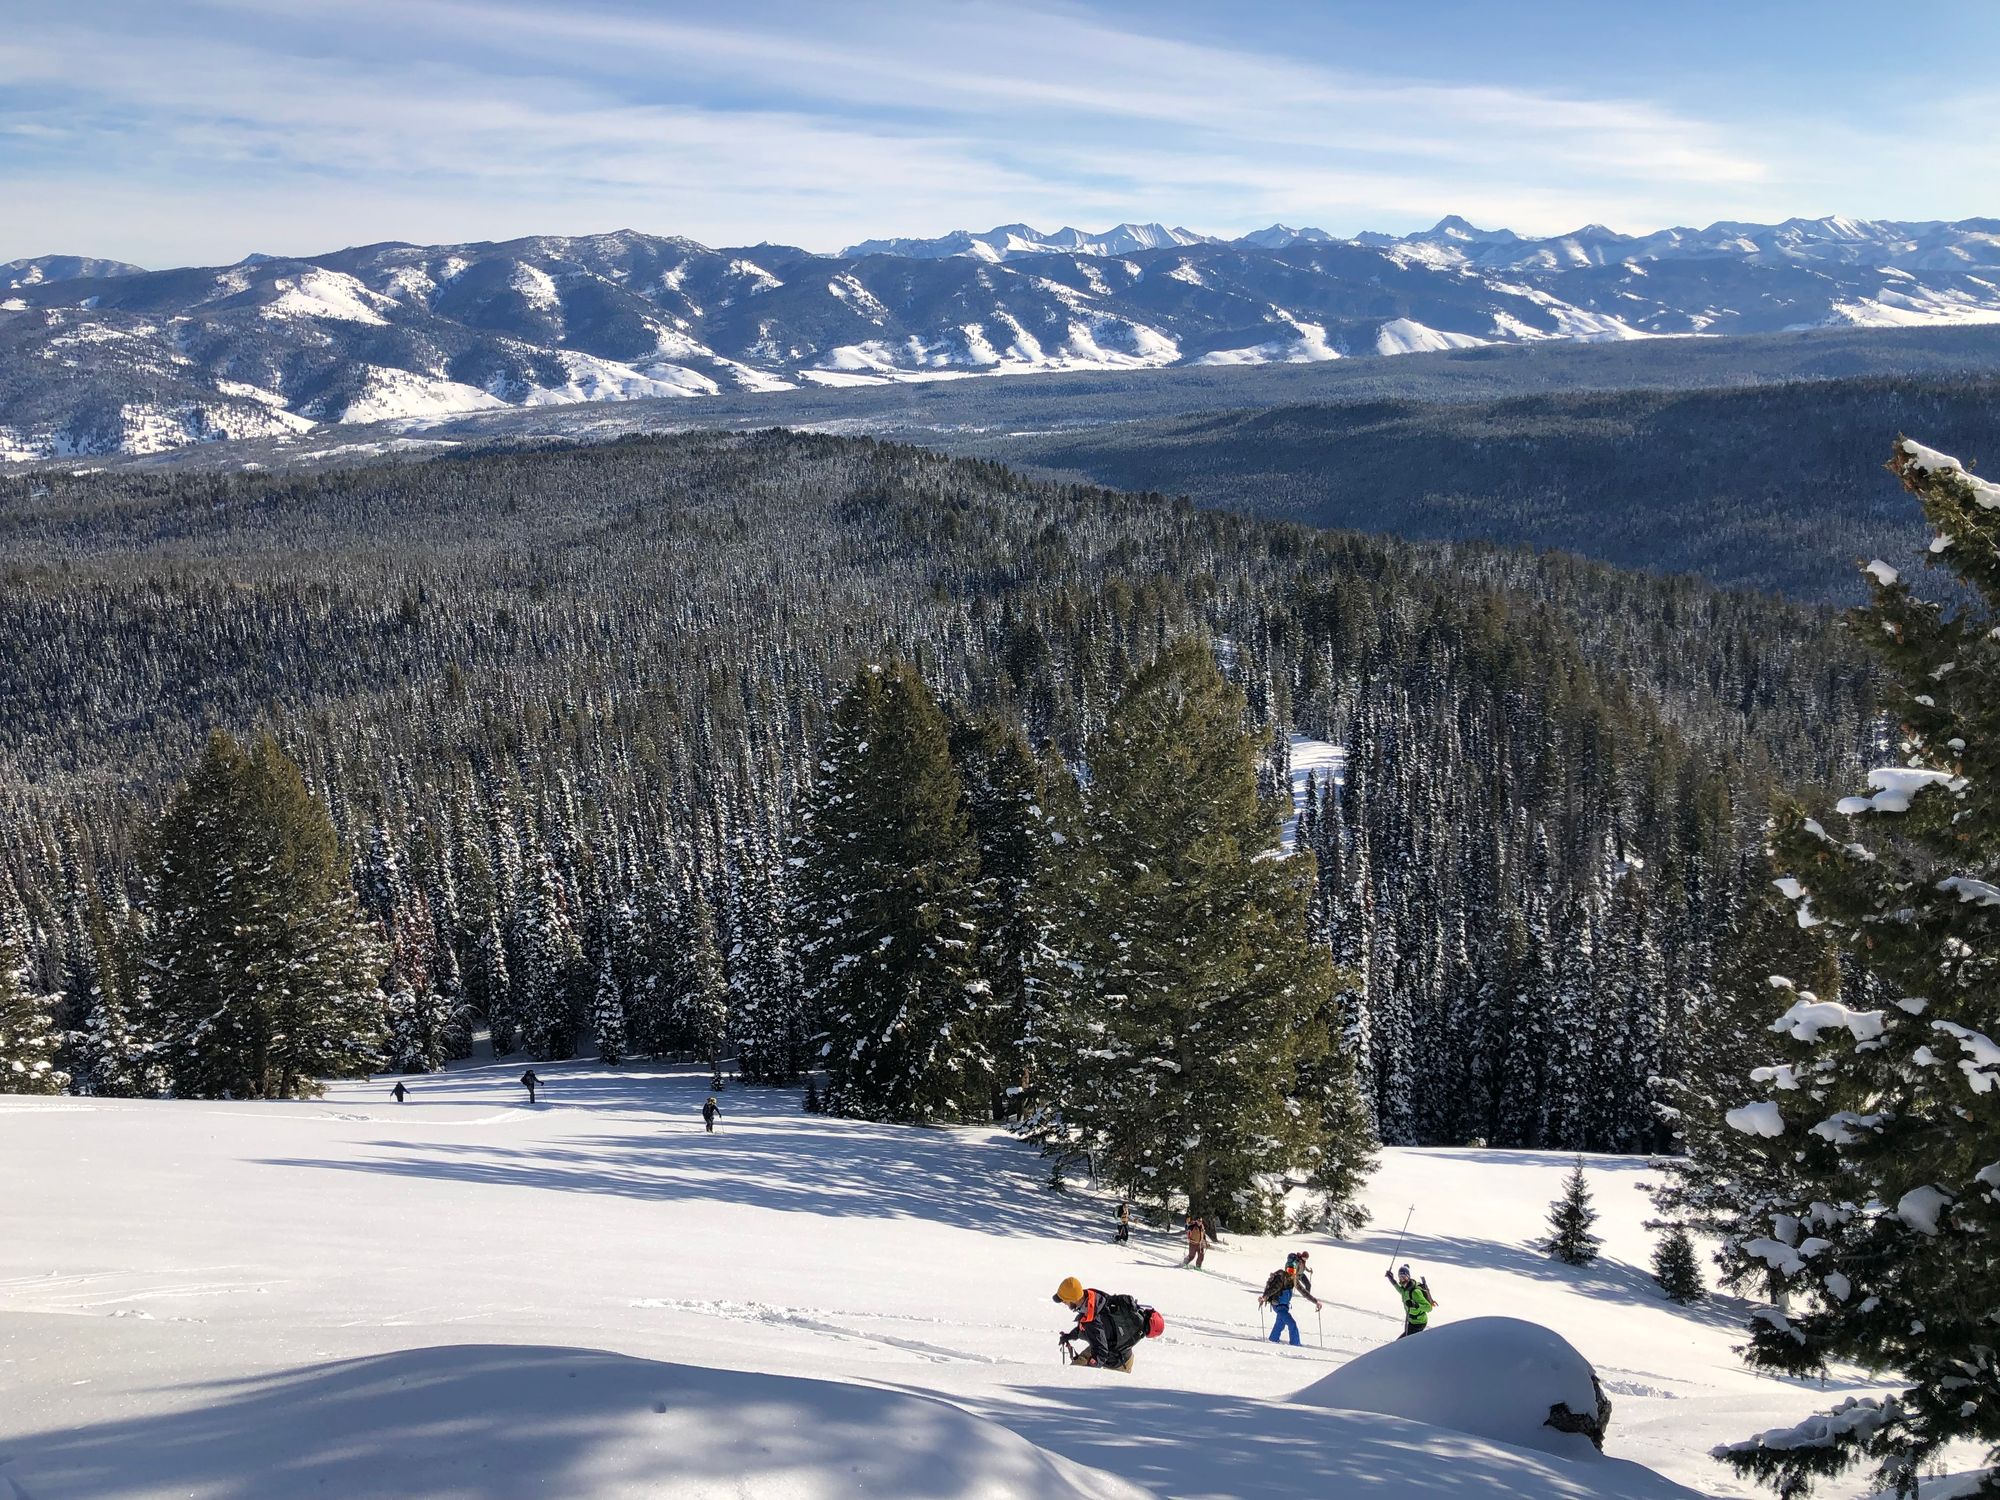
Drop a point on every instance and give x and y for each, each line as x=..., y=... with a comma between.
x=1499, y=1378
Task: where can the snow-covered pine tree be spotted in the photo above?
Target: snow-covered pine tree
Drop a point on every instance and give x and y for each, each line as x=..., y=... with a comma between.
x=766, y=1007
x=701, y=989
x=607, y=1013
x=105, y=1049
x=263, y=974
x=1883, y=1234
x=545, y=956
x=1341, y=1161
x=886, y=878
x=1676, y=1267
x=1570, y=1220
x=651, y=1006
x=1007, y=801
x=490, y=987
x=1722, y=1182
x=1200, y=994
x=415, y=1041
x=28, y=1036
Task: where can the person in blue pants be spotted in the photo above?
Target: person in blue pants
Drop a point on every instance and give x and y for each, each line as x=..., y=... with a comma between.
x=1280, y=1298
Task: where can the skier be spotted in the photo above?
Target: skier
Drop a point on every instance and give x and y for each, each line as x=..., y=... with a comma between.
x=530, y=1082
x=1197, y=1243
x=1110, y=1326
x=398, y=1093
x=1278, y=1292
x=708, y=1112
x=1124, y=1224
x=1417, y=1301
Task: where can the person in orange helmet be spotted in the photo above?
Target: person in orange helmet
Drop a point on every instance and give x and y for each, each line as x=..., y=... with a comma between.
x=1109, y=1324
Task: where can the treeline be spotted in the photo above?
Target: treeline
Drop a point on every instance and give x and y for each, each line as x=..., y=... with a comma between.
x=566, y=710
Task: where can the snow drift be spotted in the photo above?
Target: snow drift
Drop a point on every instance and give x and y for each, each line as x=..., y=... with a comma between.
x=504, y=1421
x=1491, y=1377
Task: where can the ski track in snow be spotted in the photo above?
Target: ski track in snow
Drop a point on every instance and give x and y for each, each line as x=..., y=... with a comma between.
x=168, y=1253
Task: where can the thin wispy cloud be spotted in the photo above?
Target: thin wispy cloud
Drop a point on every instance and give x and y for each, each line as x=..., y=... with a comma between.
x=201, y=130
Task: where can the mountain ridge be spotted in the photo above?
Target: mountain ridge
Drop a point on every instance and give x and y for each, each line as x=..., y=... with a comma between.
x=99, y=357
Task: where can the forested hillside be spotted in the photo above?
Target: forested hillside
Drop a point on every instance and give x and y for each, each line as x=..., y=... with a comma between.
x=1776, y=487
x=563, y=706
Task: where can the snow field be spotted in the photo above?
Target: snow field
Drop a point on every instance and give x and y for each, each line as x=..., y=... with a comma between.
x=185, y=1290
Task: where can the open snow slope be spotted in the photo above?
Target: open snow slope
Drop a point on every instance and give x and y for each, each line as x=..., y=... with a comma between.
x=464, y=1296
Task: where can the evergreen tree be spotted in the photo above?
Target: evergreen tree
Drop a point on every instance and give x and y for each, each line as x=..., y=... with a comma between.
x=607, y=1013
x=1570, y=1219
x=263, y=975
x=490, y=986
x=767, y=1009
x=650, y=1001
x=1723, y=1183
x=543, y=963
x=1199, y=997
x=887, y=875
x=1676, y=1268
x=419, y=1027
x=28, y=1035
x=105, y=1048
x=700, y=987
x=1341, y=1161
x=1873, y=1161
x=1007, y=801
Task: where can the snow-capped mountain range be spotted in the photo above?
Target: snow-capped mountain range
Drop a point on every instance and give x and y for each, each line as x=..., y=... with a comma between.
x=99, y=357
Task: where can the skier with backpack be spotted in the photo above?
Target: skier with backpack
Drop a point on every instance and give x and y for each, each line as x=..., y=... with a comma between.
x=1109, y=1324
x=1197, y=1243
x=531, y=1080
x=1279, y=1288
x=1124, y=1235
x=1417, y=1301
x=709, y=1110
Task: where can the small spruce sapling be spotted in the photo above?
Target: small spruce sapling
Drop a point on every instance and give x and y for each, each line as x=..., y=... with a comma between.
x=1570, y=1221
x=1676, y=1268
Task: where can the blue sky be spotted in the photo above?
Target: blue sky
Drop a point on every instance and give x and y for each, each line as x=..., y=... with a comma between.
x=194, y=131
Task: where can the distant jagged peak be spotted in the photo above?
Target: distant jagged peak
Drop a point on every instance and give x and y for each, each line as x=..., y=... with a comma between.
x=1453, y=227
x=1004, y=241
x=1281, y=236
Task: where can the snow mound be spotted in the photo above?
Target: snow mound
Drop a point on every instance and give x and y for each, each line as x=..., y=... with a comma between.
x=496, y=1421
x=1490, y=1377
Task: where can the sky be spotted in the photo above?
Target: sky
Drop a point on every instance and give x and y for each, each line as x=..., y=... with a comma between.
x=174, y=132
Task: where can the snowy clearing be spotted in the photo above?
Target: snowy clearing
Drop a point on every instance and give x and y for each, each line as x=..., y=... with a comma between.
x=465, y=1296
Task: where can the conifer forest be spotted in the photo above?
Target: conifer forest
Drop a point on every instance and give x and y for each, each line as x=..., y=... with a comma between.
x=563, y=745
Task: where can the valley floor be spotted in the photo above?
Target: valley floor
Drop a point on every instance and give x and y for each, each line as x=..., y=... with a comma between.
x=467, y=1296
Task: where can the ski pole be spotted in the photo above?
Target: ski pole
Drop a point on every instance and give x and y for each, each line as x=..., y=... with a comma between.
x=1319, y=1314
x=1400, y=1233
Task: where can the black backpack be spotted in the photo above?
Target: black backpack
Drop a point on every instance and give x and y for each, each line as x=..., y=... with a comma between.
x=1280, y=1280
x=1125, y=1323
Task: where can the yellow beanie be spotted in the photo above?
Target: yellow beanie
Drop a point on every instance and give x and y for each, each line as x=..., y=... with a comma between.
x=1071, y=1291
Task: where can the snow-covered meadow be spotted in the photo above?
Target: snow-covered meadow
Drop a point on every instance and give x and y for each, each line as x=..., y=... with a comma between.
x=464, y=1296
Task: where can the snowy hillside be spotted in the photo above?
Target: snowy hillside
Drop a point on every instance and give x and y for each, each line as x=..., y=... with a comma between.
x=98, y=357
x=466, y=1296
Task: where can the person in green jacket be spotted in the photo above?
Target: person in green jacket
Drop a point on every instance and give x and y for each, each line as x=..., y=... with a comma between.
x=1417, y=1301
